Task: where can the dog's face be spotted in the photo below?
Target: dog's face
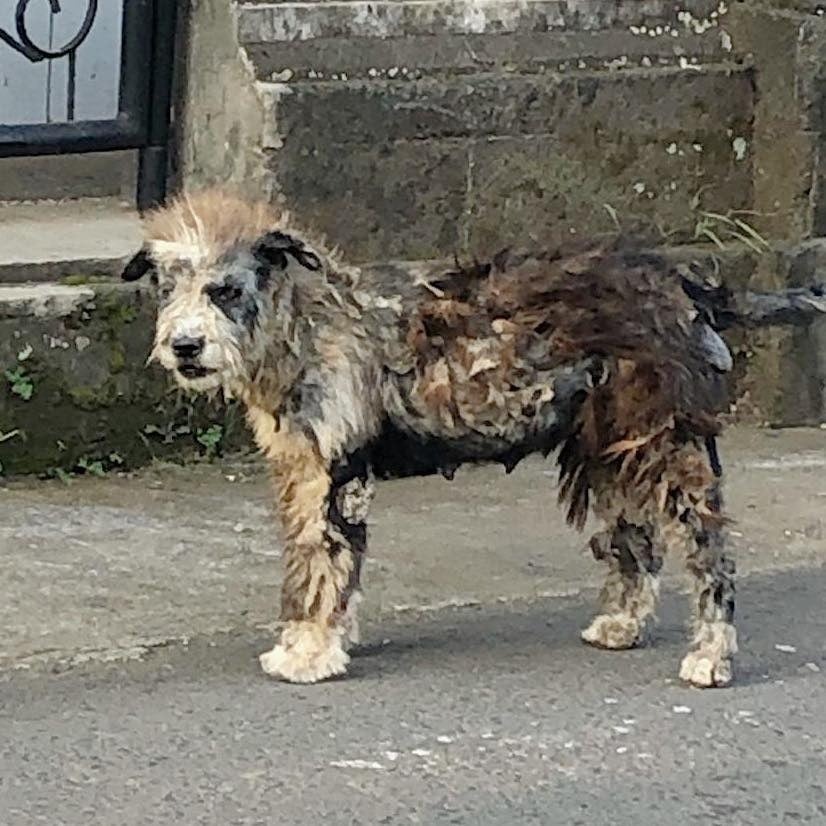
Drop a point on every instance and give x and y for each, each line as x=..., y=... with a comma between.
x=214, y=307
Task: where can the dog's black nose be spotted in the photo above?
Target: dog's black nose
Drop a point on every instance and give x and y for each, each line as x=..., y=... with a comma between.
x=187, y=347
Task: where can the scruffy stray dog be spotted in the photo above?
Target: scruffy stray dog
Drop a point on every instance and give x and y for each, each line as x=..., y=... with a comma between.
x=609, y=356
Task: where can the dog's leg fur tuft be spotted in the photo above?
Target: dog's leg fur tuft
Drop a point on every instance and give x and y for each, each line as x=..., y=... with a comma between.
x=628, y=600
x=666, y=499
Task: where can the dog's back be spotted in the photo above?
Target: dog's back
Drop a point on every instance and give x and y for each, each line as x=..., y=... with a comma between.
x=530, y=350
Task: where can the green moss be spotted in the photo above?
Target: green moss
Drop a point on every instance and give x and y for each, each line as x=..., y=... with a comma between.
x=91, y=398
x=115, y=309
x=117, y=357
x=102, y=401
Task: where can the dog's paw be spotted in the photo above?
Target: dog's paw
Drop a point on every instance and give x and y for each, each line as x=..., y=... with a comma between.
x=705, y=669
x=307, y=653
x=614, y=631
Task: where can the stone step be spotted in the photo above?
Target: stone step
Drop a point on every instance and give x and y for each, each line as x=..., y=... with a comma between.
x=286, y=21
x=74, y=239
x=355, y=39
x=318, y=114
x=415, y=56
x=111, y=174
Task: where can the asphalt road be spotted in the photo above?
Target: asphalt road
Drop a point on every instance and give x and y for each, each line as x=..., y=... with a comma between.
x=486, y=715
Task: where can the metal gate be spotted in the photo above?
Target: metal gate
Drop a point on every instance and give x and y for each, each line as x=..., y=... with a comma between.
x=84, y=76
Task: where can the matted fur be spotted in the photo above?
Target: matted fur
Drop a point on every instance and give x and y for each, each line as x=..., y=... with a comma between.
x=350, y=375
x=209, y=222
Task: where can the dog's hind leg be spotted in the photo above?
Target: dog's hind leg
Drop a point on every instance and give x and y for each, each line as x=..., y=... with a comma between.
x=628, y=600
x=689, y=520
x=713, y=571
x=323, y=515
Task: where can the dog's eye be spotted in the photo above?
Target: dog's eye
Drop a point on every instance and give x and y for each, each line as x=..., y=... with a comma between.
x=225, y=294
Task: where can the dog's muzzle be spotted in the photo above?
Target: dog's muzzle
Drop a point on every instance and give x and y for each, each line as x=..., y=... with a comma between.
x=187, y=351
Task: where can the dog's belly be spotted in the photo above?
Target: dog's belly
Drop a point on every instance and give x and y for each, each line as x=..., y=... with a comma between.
x=418, y=440
x=397, y=452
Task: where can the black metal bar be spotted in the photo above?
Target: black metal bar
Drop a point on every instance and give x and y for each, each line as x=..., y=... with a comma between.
x=32, y=54
x=71, y=89
x=154, y=158
x=71, y=46
x=136, y=61
x=65, y=138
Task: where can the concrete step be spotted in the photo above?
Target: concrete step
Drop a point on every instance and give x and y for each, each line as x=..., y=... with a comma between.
x=323, y=113
x=54, y=240
x=277, y=22
x=415, y=56
x=110, y=174
x=357, y=39
x=516, y=108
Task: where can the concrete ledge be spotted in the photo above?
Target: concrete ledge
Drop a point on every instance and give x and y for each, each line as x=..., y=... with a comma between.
x=42, y=301
x=668, y=103
x=52, y=240
x=285, y=22
x=413, y=56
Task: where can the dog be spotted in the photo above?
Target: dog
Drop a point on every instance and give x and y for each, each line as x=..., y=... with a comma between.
x=608, y=356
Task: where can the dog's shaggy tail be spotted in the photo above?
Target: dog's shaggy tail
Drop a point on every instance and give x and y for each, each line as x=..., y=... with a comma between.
x=724, y=309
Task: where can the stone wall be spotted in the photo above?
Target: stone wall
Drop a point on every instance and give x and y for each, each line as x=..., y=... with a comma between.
x=411, y=130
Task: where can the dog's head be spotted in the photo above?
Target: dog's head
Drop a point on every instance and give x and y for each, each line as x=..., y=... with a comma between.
x=220, y=267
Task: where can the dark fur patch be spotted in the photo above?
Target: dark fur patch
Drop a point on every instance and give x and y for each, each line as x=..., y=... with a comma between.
x=274, y=247
x=236, y=302
x=354, y=534
x=140, y=264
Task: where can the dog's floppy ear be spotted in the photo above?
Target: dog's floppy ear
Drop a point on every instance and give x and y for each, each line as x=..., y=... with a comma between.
x=140, y=264
x=274, y=247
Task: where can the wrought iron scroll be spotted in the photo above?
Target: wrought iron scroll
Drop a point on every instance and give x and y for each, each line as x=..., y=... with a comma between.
x=29, y=49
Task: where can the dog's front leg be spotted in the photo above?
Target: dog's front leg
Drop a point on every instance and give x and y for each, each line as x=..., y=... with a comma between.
x=350, y=497
x=319, y=563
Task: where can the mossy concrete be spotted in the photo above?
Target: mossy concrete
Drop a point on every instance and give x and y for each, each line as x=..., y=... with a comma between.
x=76, y=393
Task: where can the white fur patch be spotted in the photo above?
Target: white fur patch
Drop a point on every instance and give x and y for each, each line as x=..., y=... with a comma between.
x=307, y=653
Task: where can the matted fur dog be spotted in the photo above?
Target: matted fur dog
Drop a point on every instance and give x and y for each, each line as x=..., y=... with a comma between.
x=609, y=356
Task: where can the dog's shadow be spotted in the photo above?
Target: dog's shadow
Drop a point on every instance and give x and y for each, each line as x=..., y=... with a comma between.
x=781, y=624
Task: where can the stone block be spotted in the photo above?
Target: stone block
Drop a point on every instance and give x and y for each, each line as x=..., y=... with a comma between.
x=289, y=21
x=546, y=189
x=320, y=115
x=403, y=200
x=414, y=56
x=783, y=149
